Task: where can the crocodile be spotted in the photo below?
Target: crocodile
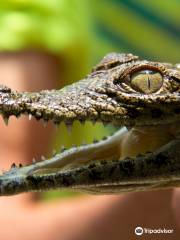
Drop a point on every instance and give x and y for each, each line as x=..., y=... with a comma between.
x=140, y=98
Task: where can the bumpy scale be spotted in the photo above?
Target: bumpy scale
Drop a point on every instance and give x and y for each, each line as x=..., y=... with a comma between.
x=134, y=94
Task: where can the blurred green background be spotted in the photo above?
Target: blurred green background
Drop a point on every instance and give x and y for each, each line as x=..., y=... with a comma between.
x=81, y=32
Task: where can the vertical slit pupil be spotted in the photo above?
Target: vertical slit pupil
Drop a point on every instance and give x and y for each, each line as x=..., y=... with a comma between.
x=149, y=82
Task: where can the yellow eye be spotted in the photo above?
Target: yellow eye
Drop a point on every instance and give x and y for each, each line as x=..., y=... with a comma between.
x=146, y=81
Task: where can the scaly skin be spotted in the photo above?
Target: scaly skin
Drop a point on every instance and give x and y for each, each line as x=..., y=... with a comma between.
x=123, y=91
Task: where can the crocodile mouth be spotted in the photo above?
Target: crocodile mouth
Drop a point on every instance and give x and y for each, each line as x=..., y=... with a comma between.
x=123, y=143
x=106, y=166
x=107, y=148
x=120, y=162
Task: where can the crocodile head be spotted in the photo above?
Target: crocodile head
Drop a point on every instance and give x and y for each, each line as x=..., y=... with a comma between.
x=122, y=90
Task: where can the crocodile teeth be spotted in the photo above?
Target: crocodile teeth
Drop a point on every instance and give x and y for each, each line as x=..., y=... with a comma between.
x=56, y=126
x=105, y=124
x=18, y=116
x=105, y=138
x=93, y=122
x=45, y=123
x=95, y=140
x=69, y=128
x=178, y=65
x=2, y=171
x=82, y=122
x=64, y=149
x=83, y=143
x=43, y=158
x=54, y=152
x=6, y=120
x=30, y=117
x=13, y=165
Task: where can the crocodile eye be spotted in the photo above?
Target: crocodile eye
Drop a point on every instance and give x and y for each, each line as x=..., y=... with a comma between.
x=146, y=81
